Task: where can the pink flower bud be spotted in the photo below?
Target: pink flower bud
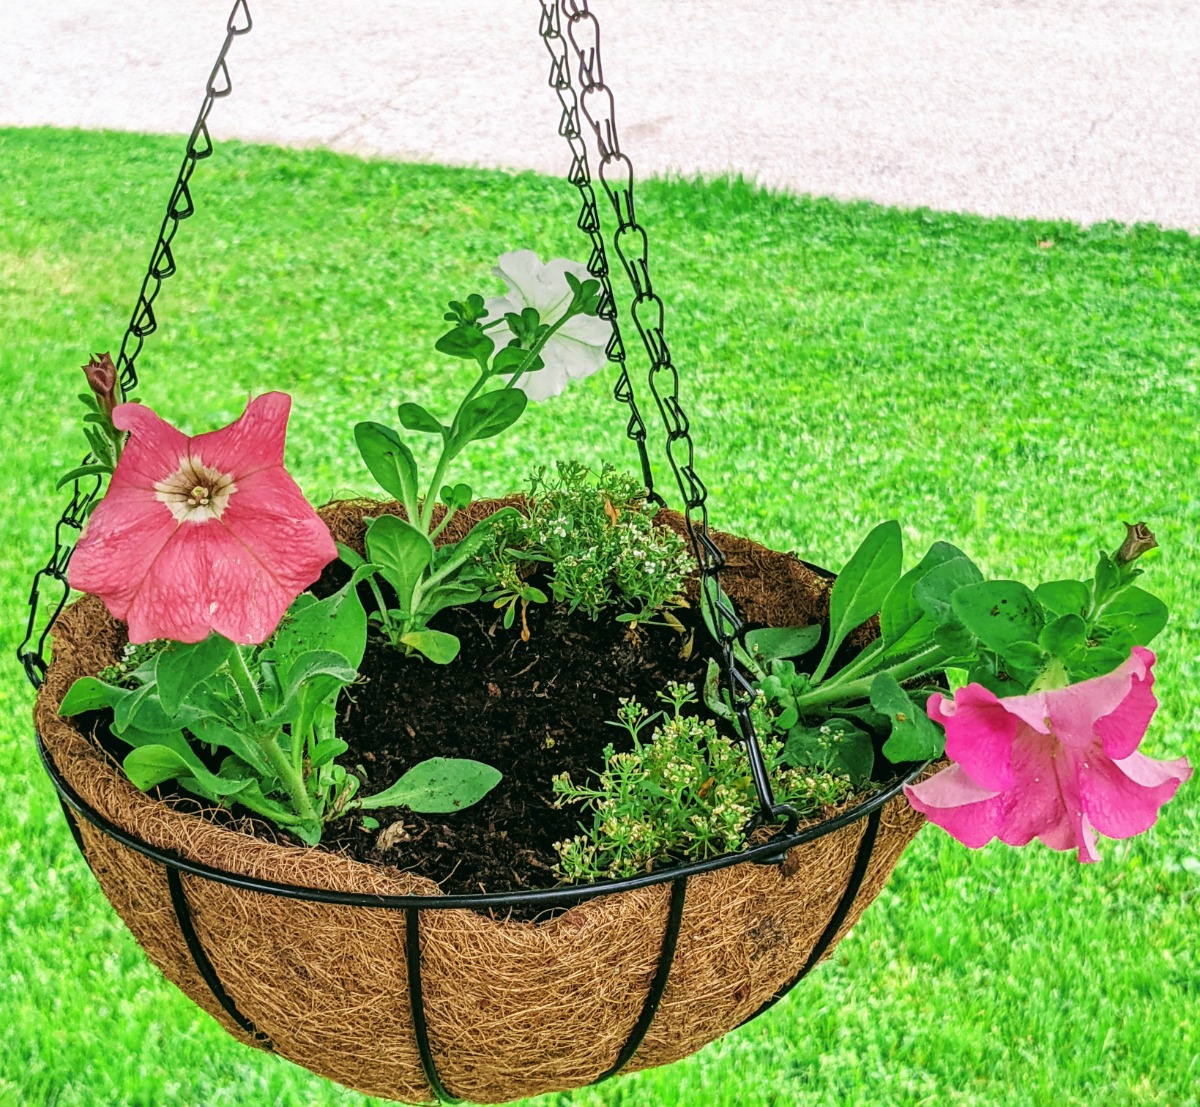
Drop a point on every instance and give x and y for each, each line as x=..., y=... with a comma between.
x=102, y=378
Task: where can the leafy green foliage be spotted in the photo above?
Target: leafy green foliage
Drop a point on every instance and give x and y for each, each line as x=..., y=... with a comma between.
x=684, y=794
x=594, y=534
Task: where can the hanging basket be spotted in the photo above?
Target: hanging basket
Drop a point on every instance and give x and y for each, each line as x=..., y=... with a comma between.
x=368, y=976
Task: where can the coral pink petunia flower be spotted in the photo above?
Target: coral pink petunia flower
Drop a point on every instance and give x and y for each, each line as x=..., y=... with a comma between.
x=1057, y=765
x=202, y=534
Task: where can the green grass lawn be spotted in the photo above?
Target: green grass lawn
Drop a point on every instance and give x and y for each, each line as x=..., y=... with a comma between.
x=1018, y=388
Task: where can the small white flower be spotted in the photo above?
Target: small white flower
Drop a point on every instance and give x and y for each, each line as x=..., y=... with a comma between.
x=577, y=349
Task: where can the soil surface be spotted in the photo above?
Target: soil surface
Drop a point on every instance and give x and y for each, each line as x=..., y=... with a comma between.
x=531, y=709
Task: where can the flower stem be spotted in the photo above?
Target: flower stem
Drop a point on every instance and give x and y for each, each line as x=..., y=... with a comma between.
x=293, y=780
x=538, y=346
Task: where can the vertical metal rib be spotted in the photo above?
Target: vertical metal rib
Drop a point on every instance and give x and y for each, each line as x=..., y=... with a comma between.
x=412, y=955
x=866, y=849
x=74, y=827
x=666, y=957
x=203, y=964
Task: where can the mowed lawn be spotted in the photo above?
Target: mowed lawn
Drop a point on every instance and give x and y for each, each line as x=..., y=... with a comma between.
x=1018, y=388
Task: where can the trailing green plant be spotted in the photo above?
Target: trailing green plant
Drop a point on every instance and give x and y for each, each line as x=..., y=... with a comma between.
x=593, y=535
x=684, y=794
x=942, y=626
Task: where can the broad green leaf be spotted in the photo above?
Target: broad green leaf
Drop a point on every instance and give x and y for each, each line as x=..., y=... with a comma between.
x=324, y=665
x=351, y=556
x=326, y=751
x=957, y=678
x=511, y=358
x=1065, y=638
x=438, y=786
x=466, y=341
x=402, y=553
x=81, y=471
x=903, y=622
x=778, y=642
x=214, y=732
x=182, y=666
x=414, y=417
x=90, y=694
x=1064, y=597
x=390, y=461
x=336, y=623
x=1001, y=613
x=447, y=595
x=1132, y=618
x=935, y=590
x=834, y=746
x=863, y=585
x=486, y=416
x=914, y=737
x=148, y=766
x=439, y=647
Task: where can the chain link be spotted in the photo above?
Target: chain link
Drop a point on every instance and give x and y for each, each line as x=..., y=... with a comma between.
x=595, y=102
x=32, y=650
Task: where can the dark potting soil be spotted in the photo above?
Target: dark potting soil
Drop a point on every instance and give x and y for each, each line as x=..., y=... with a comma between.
x=533, y=709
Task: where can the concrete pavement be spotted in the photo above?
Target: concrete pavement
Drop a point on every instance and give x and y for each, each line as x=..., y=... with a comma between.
x=1085, y=109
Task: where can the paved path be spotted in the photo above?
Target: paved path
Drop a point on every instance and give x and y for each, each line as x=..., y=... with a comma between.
x=1088, y=109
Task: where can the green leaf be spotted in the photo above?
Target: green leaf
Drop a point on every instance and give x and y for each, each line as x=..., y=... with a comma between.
x=1065, y=638
x=511, y=358
x=1001, y=614
x=779, y=642
x=390, y=461
x=402, y=553
x=903, y=623
x=326, y=751
x=1132, y=618
x=447, y=595
x=935, y=591
x=414, y=417
x=81, y=471
x=1064, y=597
x=836, y=745
x=148, y=766
x=957, y=678
x=456, y=496
x=862, y=586
x=438, y=786
x=914, y=737
x=466, y=341
x=216, y=732
x=486, y=416
x=90, y=694
x=311, y=666
x=439, y=647
x=182, y=666
x=336, y=623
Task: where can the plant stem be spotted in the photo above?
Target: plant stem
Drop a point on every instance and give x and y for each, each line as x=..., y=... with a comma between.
x=862, y=662
x=538, y=346
x=293, y=780
x=932, y=658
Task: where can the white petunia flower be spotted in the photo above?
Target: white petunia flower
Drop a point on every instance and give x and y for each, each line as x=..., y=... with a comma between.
x=573, y=352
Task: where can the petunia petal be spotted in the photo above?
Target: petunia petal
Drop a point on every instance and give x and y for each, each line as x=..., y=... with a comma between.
x=253, y=441
x=1123, y=728
x=270, y=517
x=1074, y=711
x=153, y=452
x=118, y=549
x=979, y=734
x=953, y=801
x=1122, y=798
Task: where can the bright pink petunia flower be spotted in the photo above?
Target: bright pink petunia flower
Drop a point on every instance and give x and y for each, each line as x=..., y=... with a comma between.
x=1056, y=765
x=202, y=534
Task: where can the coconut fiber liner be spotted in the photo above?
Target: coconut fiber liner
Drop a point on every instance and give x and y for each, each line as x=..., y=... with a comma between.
x=513, y=1008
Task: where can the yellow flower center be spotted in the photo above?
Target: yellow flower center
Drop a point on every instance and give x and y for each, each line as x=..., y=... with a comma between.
x=195, y=492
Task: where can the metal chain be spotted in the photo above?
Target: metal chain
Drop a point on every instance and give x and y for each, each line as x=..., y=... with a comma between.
x=142, y=323
x=589, y=222
x=595, y=101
